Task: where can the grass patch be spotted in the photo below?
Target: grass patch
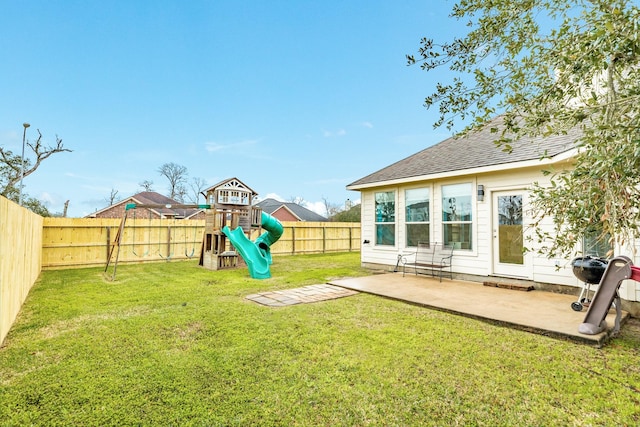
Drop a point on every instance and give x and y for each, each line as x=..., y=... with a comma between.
x=174, y=344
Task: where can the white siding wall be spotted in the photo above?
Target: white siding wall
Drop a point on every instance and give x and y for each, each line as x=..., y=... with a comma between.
x=630, y=289
x=478, y=261
x=371, y=253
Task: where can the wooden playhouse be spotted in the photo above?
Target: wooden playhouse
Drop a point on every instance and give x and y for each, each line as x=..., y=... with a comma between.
x=230, y=204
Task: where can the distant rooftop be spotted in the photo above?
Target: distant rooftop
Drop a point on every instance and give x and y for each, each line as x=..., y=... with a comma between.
x=303, y=214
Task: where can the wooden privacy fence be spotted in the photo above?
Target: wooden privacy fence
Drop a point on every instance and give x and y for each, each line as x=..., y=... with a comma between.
x=20, y=259
x=85, y=242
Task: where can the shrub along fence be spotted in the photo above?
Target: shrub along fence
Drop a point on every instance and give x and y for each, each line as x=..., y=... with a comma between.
x=20, y=259
x=86, y=242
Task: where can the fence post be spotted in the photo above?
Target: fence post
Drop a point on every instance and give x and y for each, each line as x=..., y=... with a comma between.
x=108, y=243
x=168, y=242
x=293, y=240
x=324, y=239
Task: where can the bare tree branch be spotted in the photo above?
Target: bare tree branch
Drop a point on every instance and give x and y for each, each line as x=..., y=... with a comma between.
x=113, y=197
x=197, y=185
x=12, y=165
x=146, y=185
x=177, y=176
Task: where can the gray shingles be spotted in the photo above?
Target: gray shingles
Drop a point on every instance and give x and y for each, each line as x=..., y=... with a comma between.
x=271, y=205
x=473, y=151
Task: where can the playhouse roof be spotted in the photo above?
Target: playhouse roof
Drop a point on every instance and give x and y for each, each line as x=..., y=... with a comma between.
x=230, y=182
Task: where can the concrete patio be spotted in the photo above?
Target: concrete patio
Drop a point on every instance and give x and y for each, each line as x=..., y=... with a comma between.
x=535, y=311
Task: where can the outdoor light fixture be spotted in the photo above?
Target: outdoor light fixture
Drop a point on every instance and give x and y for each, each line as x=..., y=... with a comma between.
x=24, y=135
x=366, y=242
x=480, y=193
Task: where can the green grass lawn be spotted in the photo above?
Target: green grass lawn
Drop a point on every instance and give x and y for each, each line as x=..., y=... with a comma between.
x=174, y=344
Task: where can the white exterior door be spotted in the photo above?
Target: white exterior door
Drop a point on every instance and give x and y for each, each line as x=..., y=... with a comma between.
x=508, y=228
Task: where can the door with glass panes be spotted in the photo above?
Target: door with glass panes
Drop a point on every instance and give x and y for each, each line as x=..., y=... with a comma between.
x=509, y=258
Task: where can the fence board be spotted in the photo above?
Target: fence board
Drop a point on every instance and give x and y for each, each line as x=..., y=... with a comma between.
x=29, y=243
x=20, y=259
x=85, y=242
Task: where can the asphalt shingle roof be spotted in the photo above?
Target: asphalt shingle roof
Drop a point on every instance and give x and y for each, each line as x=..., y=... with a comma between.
x=153, y=198
x=472, y=151
x=271, y=205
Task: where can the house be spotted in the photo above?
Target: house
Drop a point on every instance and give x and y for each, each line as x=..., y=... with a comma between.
x=468, y=193
x=149, y=198
x=288, y=211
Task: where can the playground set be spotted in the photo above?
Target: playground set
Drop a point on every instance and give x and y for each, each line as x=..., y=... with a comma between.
x=230, y=220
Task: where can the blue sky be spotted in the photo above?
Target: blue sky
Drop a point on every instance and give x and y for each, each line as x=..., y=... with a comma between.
x=294, y=98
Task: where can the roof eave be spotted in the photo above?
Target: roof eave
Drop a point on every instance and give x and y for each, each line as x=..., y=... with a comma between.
x=288, y=210
x=561, y=157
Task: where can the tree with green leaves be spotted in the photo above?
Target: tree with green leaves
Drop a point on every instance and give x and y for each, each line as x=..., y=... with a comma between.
x=348, y=215
x=548, y=66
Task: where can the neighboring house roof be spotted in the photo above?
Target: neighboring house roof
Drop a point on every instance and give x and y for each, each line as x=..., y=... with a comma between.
x=303, y=214
x=473, y=153
x=153, y=198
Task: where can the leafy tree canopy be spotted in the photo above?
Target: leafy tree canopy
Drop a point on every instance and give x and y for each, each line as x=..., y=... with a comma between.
x=349, y=215
x=548, y=66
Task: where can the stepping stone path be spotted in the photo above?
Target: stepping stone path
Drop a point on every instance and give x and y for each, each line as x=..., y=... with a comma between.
x=306, y=294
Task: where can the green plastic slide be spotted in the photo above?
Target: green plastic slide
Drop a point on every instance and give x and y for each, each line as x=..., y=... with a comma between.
x=257, y=255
